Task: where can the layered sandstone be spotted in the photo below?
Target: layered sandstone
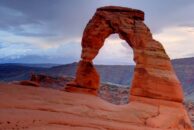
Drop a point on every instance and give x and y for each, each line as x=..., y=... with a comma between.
x=156, y=95
x=155, y=101
x=36, y=108
x=154, y=76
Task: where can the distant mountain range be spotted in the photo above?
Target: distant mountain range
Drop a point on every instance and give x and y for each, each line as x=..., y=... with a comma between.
x=118, y=74
x=185, y=71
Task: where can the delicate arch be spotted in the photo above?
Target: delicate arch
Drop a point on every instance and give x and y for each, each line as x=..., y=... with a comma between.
x=154, y=76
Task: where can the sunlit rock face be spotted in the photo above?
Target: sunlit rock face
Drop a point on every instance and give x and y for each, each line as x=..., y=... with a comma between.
x=156, y=95
x=37, y=108
x=155, y=101
x=154, y=76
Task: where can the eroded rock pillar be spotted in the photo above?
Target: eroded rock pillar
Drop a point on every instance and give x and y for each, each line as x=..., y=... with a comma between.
x=154, y=80
x=154, y=76
x=87, y=78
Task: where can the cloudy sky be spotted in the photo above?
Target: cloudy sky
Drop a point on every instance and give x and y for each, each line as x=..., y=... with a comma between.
x=50, y=31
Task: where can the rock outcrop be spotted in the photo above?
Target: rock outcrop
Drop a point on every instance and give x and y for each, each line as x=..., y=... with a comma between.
x=49, y=81
x=154, y=76
x=156, y=94
x=28, y=83
x=190, y=108
x=155, y=101
x=32, y=108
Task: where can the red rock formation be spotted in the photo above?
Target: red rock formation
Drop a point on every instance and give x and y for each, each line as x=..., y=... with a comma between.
x=154, y=76
x=29, y=83
x=51, y=82
x=30, y=108
x=43, y=80
x=87, y=79
x=155, y=101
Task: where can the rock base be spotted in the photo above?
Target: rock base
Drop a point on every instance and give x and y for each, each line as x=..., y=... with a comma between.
x=74, y=88
x=31, y=108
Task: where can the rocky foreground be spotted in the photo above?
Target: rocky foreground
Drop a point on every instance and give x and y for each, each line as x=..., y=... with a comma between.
x=36, y=108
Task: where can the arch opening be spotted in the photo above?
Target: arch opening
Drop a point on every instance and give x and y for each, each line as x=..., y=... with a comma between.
x=115, y=65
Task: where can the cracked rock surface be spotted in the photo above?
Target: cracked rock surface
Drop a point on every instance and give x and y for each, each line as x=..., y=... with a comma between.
x=31, y=108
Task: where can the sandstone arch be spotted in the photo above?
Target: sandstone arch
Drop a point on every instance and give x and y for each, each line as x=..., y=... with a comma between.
x=154, y=76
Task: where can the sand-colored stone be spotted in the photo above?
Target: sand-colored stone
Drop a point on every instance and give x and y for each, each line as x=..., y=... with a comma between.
x=87, y=80
x=154, y=76
x=30, y=108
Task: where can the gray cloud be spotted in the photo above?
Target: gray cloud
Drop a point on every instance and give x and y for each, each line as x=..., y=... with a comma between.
x=187, y=25
x=56, y=20
x=59, y=17
x=68, y=18
x=189, y=55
